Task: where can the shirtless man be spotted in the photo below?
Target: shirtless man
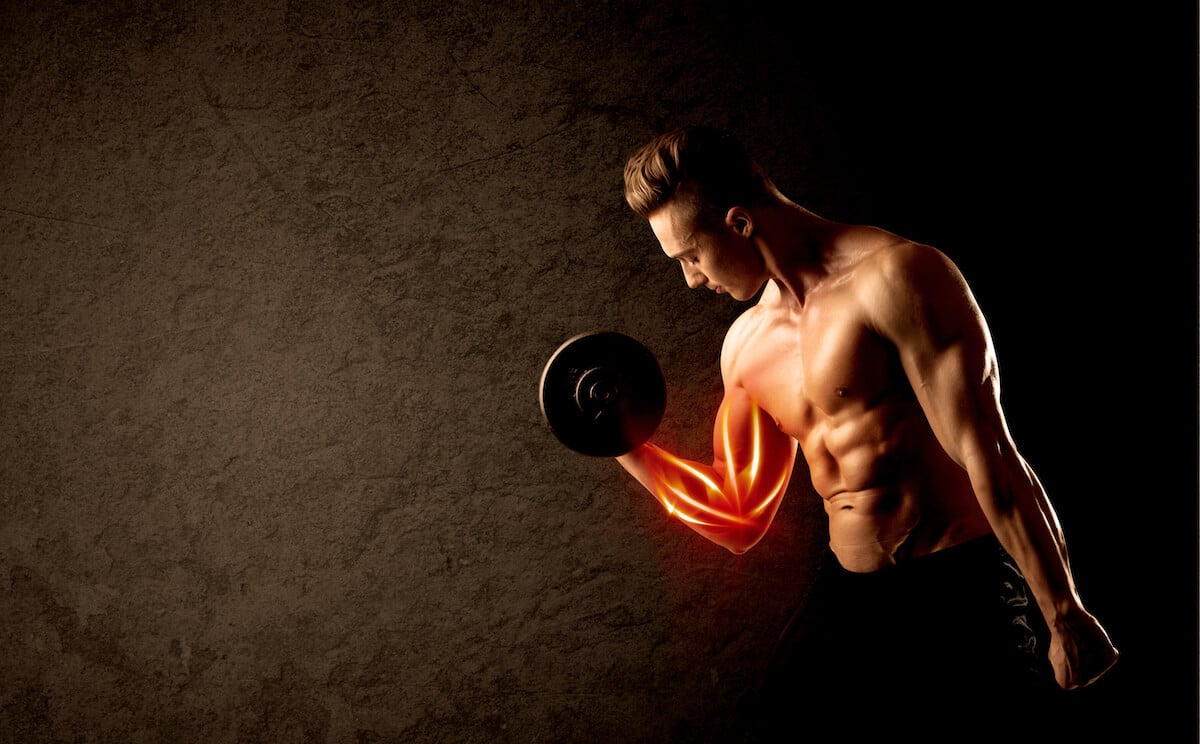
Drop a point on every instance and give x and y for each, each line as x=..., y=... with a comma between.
x=866, y=353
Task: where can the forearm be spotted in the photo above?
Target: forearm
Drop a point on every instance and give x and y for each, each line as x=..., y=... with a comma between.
x=1025, y=524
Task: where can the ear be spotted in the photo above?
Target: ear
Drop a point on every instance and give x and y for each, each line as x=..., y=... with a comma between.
x=740, y=221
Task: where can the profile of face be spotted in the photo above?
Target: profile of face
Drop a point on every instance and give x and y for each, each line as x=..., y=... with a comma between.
x=720, y=257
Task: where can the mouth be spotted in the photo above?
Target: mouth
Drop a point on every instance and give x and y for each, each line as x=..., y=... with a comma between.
x=719, y=290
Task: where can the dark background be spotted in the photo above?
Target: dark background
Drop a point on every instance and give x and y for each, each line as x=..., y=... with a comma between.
x=277, y=282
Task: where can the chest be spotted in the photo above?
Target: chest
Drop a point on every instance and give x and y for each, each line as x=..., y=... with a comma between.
x=819, y=363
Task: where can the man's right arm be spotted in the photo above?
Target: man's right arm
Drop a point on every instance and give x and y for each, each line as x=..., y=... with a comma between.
x=733, y=501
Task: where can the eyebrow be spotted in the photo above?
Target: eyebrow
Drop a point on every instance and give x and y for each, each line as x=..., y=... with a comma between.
x=689, y=246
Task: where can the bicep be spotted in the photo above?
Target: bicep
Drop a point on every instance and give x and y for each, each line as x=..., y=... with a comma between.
x=958, y=388
x=747, y=442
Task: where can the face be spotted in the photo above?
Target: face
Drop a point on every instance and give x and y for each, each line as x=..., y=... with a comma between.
x=721, y=258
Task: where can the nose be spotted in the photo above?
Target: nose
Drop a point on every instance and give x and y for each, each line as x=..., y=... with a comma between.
x=694, y=279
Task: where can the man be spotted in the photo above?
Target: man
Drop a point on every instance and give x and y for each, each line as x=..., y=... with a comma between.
x=948, y=577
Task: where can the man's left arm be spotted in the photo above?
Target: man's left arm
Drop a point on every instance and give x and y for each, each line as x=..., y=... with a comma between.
x=921, y=303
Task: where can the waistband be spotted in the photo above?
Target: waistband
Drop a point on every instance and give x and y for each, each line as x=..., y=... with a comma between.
x=976, y=552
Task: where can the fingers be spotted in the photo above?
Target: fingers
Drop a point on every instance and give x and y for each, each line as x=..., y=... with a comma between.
x=1075, y=669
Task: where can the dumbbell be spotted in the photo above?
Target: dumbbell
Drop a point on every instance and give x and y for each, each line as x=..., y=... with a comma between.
x=602, y=393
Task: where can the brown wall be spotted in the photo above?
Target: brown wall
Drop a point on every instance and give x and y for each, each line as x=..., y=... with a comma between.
x=277, y=282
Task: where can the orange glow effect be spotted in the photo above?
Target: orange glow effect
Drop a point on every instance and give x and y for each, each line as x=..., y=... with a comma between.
x=734, y=501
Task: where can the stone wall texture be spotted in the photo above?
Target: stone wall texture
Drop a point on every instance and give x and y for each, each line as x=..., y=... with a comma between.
x=278, y=281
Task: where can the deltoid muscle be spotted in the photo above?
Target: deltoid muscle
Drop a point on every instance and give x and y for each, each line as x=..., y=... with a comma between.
x=734, y=502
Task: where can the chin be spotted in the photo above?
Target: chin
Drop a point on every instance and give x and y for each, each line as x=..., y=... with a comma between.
x=751, y=294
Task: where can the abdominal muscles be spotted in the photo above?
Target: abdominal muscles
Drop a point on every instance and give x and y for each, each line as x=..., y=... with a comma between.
x=889, y=489
x=868, y=529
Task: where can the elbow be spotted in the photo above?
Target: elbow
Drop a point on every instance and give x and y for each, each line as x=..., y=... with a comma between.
x=999, y=501
x=992, y=472
x=742, y=543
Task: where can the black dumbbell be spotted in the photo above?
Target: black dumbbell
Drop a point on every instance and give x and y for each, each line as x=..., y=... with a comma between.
x=602, y=393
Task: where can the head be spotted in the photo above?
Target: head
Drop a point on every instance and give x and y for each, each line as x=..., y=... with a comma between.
x=698, y=188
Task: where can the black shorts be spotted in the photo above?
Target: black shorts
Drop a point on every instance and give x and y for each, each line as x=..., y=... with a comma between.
x=956, y=633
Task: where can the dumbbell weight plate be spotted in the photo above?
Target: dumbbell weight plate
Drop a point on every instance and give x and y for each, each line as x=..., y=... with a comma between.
x=602, y=393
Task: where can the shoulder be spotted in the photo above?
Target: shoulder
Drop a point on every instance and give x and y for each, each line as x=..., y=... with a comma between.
x=896, y=261
x=742, y=332
x=906, y=287
x=895, y=272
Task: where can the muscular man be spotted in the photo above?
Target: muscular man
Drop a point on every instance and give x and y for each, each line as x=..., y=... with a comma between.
x=868, y=354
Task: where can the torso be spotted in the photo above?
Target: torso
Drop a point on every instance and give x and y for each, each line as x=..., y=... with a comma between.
x=891, y=492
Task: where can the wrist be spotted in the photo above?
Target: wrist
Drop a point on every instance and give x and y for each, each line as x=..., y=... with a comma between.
x=1065, y=614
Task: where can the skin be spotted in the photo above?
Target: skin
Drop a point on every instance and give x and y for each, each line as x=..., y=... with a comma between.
x=867, y=354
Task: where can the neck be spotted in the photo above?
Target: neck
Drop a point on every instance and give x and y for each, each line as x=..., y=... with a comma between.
x=795, y=245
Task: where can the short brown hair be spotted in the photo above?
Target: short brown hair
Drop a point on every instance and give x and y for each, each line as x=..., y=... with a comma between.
x=710, y=161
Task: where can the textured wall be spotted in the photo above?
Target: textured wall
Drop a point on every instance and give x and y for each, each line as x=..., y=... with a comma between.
x=277, y=282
